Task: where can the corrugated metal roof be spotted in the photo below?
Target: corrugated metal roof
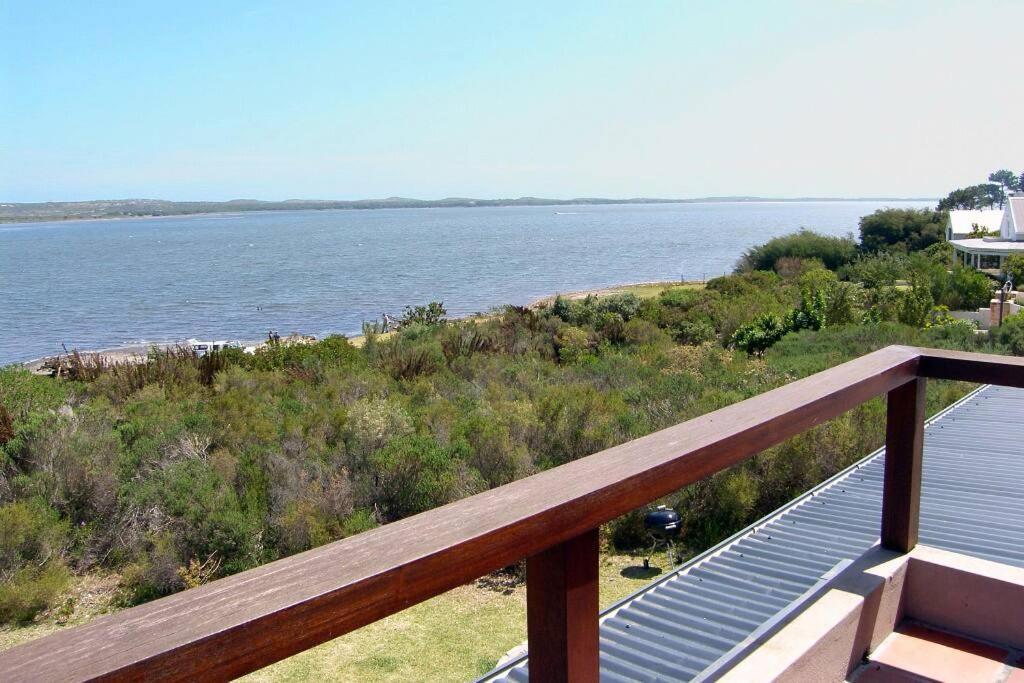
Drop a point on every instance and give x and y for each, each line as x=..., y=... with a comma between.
x=682, y=624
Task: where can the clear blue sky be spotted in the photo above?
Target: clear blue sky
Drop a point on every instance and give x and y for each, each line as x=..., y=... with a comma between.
x=217, y=100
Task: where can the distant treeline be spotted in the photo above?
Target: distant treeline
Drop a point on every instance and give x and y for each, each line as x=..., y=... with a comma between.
x=119, y=208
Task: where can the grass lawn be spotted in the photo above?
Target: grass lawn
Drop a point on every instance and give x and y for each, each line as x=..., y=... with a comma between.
x=453, y=637
x=649, y=290
x=643, y=290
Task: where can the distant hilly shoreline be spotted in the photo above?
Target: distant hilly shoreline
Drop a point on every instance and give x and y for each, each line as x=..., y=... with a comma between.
x=11, y=212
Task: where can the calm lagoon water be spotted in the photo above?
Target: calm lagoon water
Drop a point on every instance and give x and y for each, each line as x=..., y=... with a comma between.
x=105, y=283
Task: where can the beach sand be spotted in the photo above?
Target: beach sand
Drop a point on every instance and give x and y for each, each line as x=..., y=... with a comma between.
x=137, y=353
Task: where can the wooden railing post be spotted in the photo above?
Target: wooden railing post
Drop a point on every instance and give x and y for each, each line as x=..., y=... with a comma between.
x=904, y=449
x=562, y=611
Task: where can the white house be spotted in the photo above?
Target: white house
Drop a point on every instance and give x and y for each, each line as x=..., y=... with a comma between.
x=988, y=253
x=963, y=222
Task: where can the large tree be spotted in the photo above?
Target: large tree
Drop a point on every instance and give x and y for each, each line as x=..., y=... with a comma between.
x=902, y=230
x=974, y=197
x=1007, y=181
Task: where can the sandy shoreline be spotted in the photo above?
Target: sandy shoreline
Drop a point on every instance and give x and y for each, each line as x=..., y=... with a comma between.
x=149, y=217
x=137, y=353
x=128, y=353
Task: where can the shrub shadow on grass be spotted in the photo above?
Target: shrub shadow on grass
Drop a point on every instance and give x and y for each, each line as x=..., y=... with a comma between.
x=639, y=571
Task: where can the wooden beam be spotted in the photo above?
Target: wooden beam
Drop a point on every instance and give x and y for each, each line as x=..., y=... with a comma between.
x=986, y=368
x=904, y=450
x=562, y=610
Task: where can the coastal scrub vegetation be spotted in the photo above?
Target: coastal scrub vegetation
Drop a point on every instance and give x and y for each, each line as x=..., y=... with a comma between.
x=182, y=469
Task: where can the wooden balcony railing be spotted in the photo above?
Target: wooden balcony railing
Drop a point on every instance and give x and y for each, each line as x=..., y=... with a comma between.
x=244, y=622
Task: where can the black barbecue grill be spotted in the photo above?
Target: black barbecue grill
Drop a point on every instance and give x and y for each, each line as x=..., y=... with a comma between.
x=663, y=524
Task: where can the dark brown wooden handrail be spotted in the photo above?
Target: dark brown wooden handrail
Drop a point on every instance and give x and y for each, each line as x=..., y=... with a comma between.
x=246, y=621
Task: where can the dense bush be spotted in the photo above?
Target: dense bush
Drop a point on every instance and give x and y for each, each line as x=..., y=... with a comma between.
x=413, y=473
x=901, y=230
x=1014, y=267
x=967, y=289
x=180, y=470
x=33, y=538
x=877, y=270
x=1011, y=334
x=430, y=315
x=758, y=336
x=831, y=251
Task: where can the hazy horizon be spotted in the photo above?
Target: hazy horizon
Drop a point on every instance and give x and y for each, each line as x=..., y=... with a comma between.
x=544, y=197
x=209, y=102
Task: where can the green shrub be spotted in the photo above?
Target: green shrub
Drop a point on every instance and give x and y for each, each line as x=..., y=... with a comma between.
x=578, y=420
x=464, y=340
x=405, y=360
x=680, y=297
x=876, y=270
x=31, y=532
x=625, y=305
x=1010, y=335
x=372, y=423
x=915, y=305
x=967, y=290
x=486, y=445
x=31, y=590
x=940, y=318
x=680, y=305
x=1014, y=267
x=744, y=283
x=611, y=327
x=431, y=315
x=882, y=304
x=413, y=474
x=27, y=404
x=940, y=253
x=842, y=304
x=791, y=268
x=332, y=351
x=627, y=532
x=902, y=230
x=640, y=332
x=805, y=244
x=758, y=336
x=358, y=522
x=573, y=344
x=33, y=540
x=693, y=333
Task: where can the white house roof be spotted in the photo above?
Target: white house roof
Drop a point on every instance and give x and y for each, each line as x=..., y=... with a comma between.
x=978, y=245
x=963, y=220
x=1015, y=211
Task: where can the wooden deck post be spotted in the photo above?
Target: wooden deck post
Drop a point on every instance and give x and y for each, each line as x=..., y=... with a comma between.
x=904, y=449
x=562, y=611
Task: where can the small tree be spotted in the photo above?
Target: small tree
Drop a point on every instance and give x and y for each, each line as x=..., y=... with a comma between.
x=758, y=336
x=1014, y=267
x=915, y=305
x=429, y=315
